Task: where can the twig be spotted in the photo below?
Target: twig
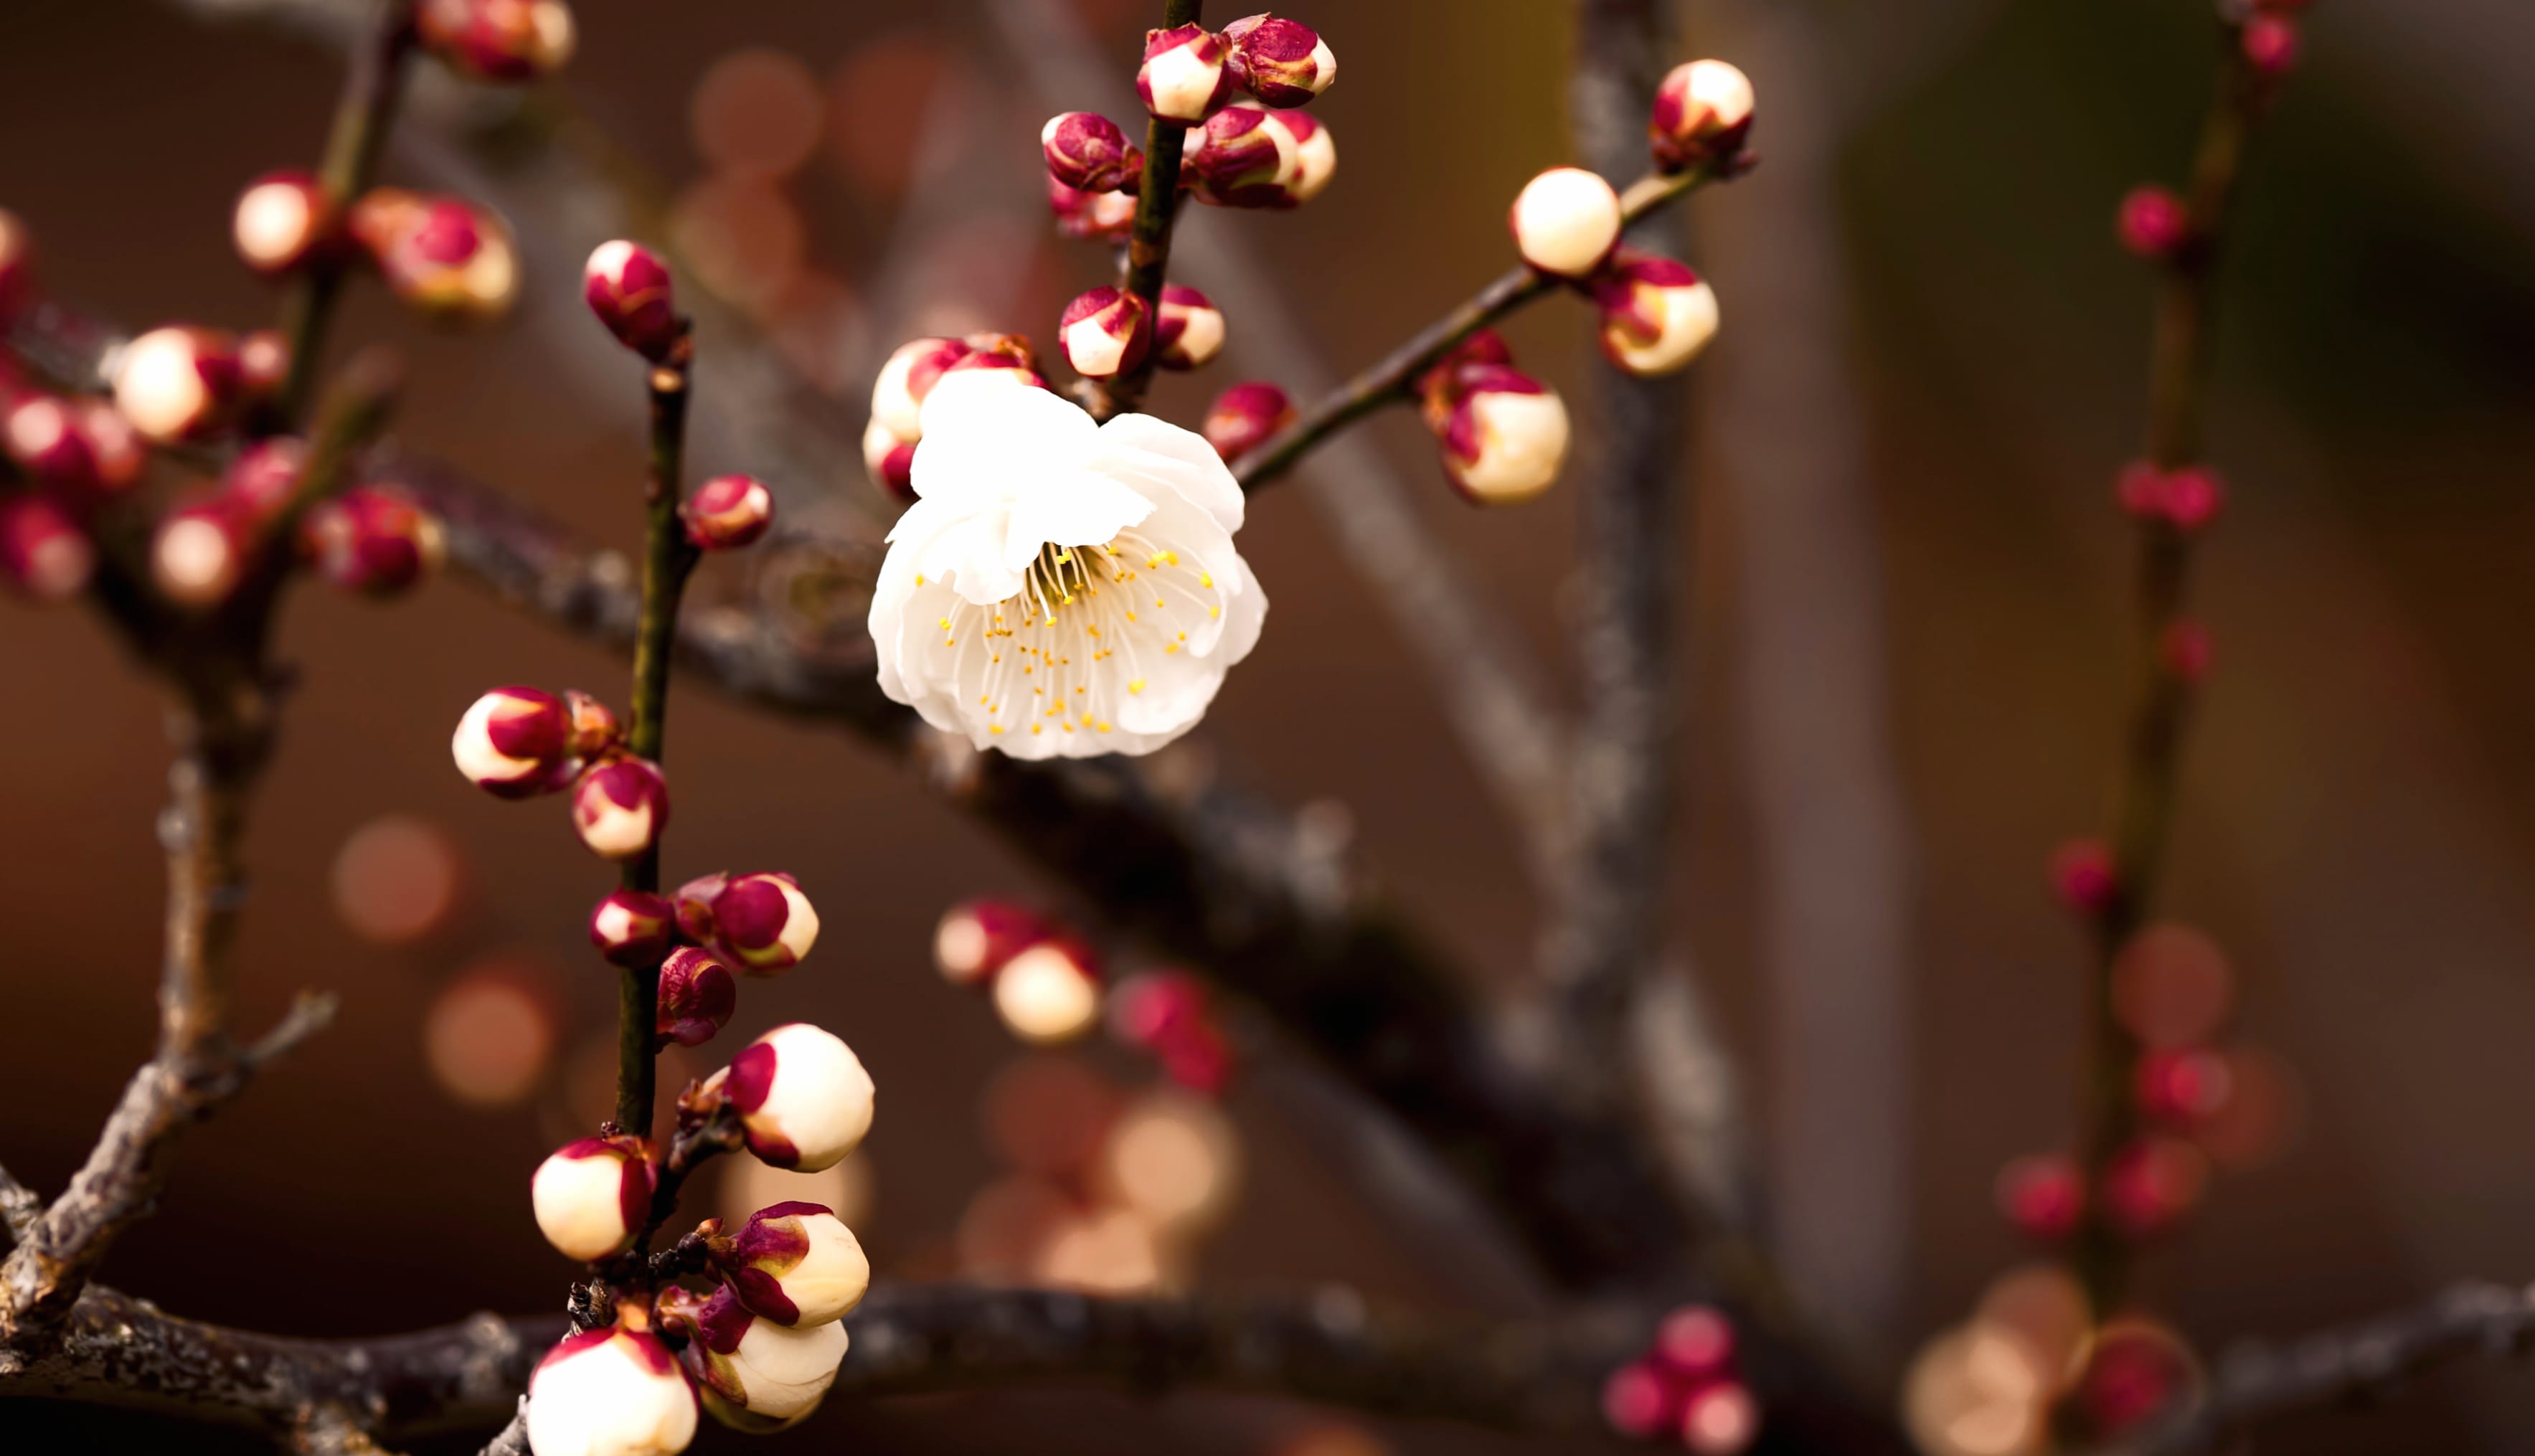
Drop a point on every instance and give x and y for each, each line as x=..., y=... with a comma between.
x=2178, y=372
x=1149, y=240
x=371, y=90
x=1389, y=381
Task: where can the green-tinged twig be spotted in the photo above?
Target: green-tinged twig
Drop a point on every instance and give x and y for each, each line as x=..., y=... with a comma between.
x=667, y=558
x=371, y=90
x=2178, y=396
x=1149, y=240
x=1391, y=381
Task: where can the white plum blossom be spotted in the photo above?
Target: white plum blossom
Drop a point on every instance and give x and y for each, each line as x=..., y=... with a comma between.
x=1061, y=588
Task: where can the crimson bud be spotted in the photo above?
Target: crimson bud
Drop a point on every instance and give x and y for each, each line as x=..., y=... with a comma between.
x=1088, y=153
x=1657, y=315
x=1696, y=1341
x=1105, y=332
x=697, y=997
x=594, y=1198
x=178, y=383
x=2043, y=1194
x=79, y=445
x=764, y=922
x=498, y=40
x=264, y=360
x=1190, y=332
x=692, y=904
x=1183, y=76
x=628, y=288
x=891, y=459
x=2154, y=223
x=1702, y=115
x=514, y=743
x=795, y=1263
x=630, y=928
x=446, y=257
x=372, y=540
x=281, y=220
x=1640, y=1401
x=1245, y=416
x=2151, y=1184
x=1281, y=62
x=42, y=552
x=804, y=1099
x=1506, y=438
x=2182, y=1085
x=1249, y=156
x=259, y=484
x=727, y=512
x=2083, y=877
x=2271, y=45
x=976, y=937
x=1565, y=221
x=620, y=807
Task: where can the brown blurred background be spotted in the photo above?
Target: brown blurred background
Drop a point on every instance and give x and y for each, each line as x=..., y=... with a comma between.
x=2358, y=800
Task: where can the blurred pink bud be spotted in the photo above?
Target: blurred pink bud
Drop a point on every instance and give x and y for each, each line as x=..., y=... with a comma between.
x=1105, y=332
x=1657, y=313
x=1106, y=216
x=2186, y=651
x=1281, y=62
x=1183, y=76
x=498, y=40
x=198, y=553
x=803, y=1096
x=1702, y=115
x=1440, y=388
x=1088, y=153
x=178, y=383
x=694, y=903
x=2043, y=1195
x=630, y=928
x=1506, y=438
x=1565, y=221
x=796, y=1264
x=594, y=729
x=2136, y=1372
x=372, y=540
x=1696, y=1340
x=628, y=288
x=281, y=220
x=904, y=382
x=1245, y=417
x=2153, y=223
x=764, y=922
x=514, y=742
x=42, y=552
x=1721, y=1419
x=2084, y=878
x=697, y=997
x=977, y=937
x=620, y=807
x=2194, y=497
x=1639, y=1402
x=1249, y=156
x=264, y=360
x=594, y=1198
x=2182, y=1085
x=446, y=257
x=76, y=445
x=727, y=512
x=1050, y=993
x=2152, y=1184
x=259, y=484
x=2271, y=45
x=1190, y=332
x=1148, y=1009
x=891, y=459
x=614, y=1391
x=17, y=264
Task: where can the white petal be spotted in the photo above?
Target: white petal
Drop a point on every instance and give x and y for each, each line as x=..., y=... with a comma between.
x=986, y=435
x=1186, y=464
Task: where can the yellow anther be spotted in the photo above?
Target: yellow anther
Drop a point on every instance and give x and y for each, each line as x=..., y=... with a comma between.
x=1137, y=685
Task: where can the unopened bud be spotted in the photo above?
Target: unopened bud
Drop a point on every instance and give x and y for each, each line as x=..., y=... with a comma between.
x=619, y=807
x=1183, y=76
x=2271, y=45
x=198, y=553
x=697, y=997
x=803, y=1096
x=178, y=383
x=764, y=922
x=594, y=729
x=907, y=379
x=1507, y=440
x=514, y=743
x=628, y=288
x=1106, y=216
x=17, y=264
x=2153, y=223
x=1245, y=417
x=1441, y=388
x=1190, y=332
x=1049, y=993
x=594, y=1198
x=727, y=512
x=1695, y=1341
x=42, y=551
x=2043, y=1194
x=441, y=256
x=977, y=937
x=630, y=928
x=2188, y=499
x=2084, y=878
x=796, y=1264
x=498, y=40
x=258, y=486
x=1249, y=156
x=1281, y=62
x=1565, y=221
x=755, y=1374
x=1105, y=332
x=1702, y=115
x=891, y=459
x=77, y=444
x=610, y=1392
x=2152, y=1184
x=1657, y=313
x=1088, y=153
x=281, y=220
x=1641, y=1401
x=372, y=540
x=1721, y=1419
x=692, y=905
x=2183, y=1085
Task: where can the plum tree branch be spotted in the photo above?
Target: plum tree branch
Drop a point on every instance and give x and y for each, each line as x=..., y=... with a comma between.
x=1149, y=239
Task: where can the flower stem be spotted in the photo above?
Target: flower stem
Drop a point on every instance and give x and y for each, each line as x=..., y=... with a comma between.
x=1148, y=243
x=1389, y=381
x=371, y=90
x=667, y=558
x=2178, y=408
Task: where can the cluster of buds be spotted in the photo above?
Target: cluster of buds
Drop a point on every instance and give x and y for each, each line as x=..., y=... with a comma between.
x=1657, y=313
x=1105, y=332
x=761, y=924
x=764, y=1348
x=446, y=257
x=1686, y=1387
x=1044, y=982
x=1503, y=434
x=1701, y=116
x=1245, y=417
x=79, y=449
x=497, y=40
x=1248, y=155
x=1088, y=152
x=43, y=553
x=2187, y=498
x=1168, y=1016
x=898, y=396
x=1190, y=72
x=518, y=742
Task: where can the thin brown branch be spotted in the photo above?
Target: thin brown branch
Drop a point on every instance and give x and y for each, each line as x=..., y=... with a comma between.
x=1149, y=239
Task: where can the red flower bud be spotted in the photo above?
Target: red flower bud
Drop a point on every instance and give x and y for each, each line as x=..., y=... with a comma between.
x=628, y=288
x=514, y=742
x=697, y=997
x=1245, y=417
x=1106, y=216
x=178, y=383
x=498, y=40
x=2182, y=1085
x=2155, y=223
x=1506, y=438
x=1009, y=354
x=42, y=552
x=2271, y=45
x=2084, y=878
x=259, y=484
x=76, y=445
x=907, y=379
x=1147, y=1010
x=1702, y=115
x=281, y=220
x=2188, y=499
x=630, y=928
x=1088, y=153
x=763, y=923
x=796, y=1264
x=372, y=540
x=1695, y=1341
x=198, y=553
x=2043, y=1195
x=614, y=1391
x=727, y=512
x=446, y=257
x=1183, y=76
x=1283, y=63
x=976, y=937
x=1565, y=221
x=620, y=807
x=1249, y=156
x=1190, y=332
x=1641, y=1402
x=803, y=1096
x=1105, y=332
x=594, y=1198
x=1657, y=315
x=2152, y=1184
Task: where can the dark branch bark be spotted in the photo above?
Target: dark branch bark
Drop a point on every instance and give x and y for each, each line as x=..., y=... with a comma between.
x=1149, y=240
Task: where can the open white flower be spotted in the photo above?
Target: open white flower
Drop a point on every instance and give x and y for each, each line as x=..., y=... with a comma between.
x=1061, y=588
